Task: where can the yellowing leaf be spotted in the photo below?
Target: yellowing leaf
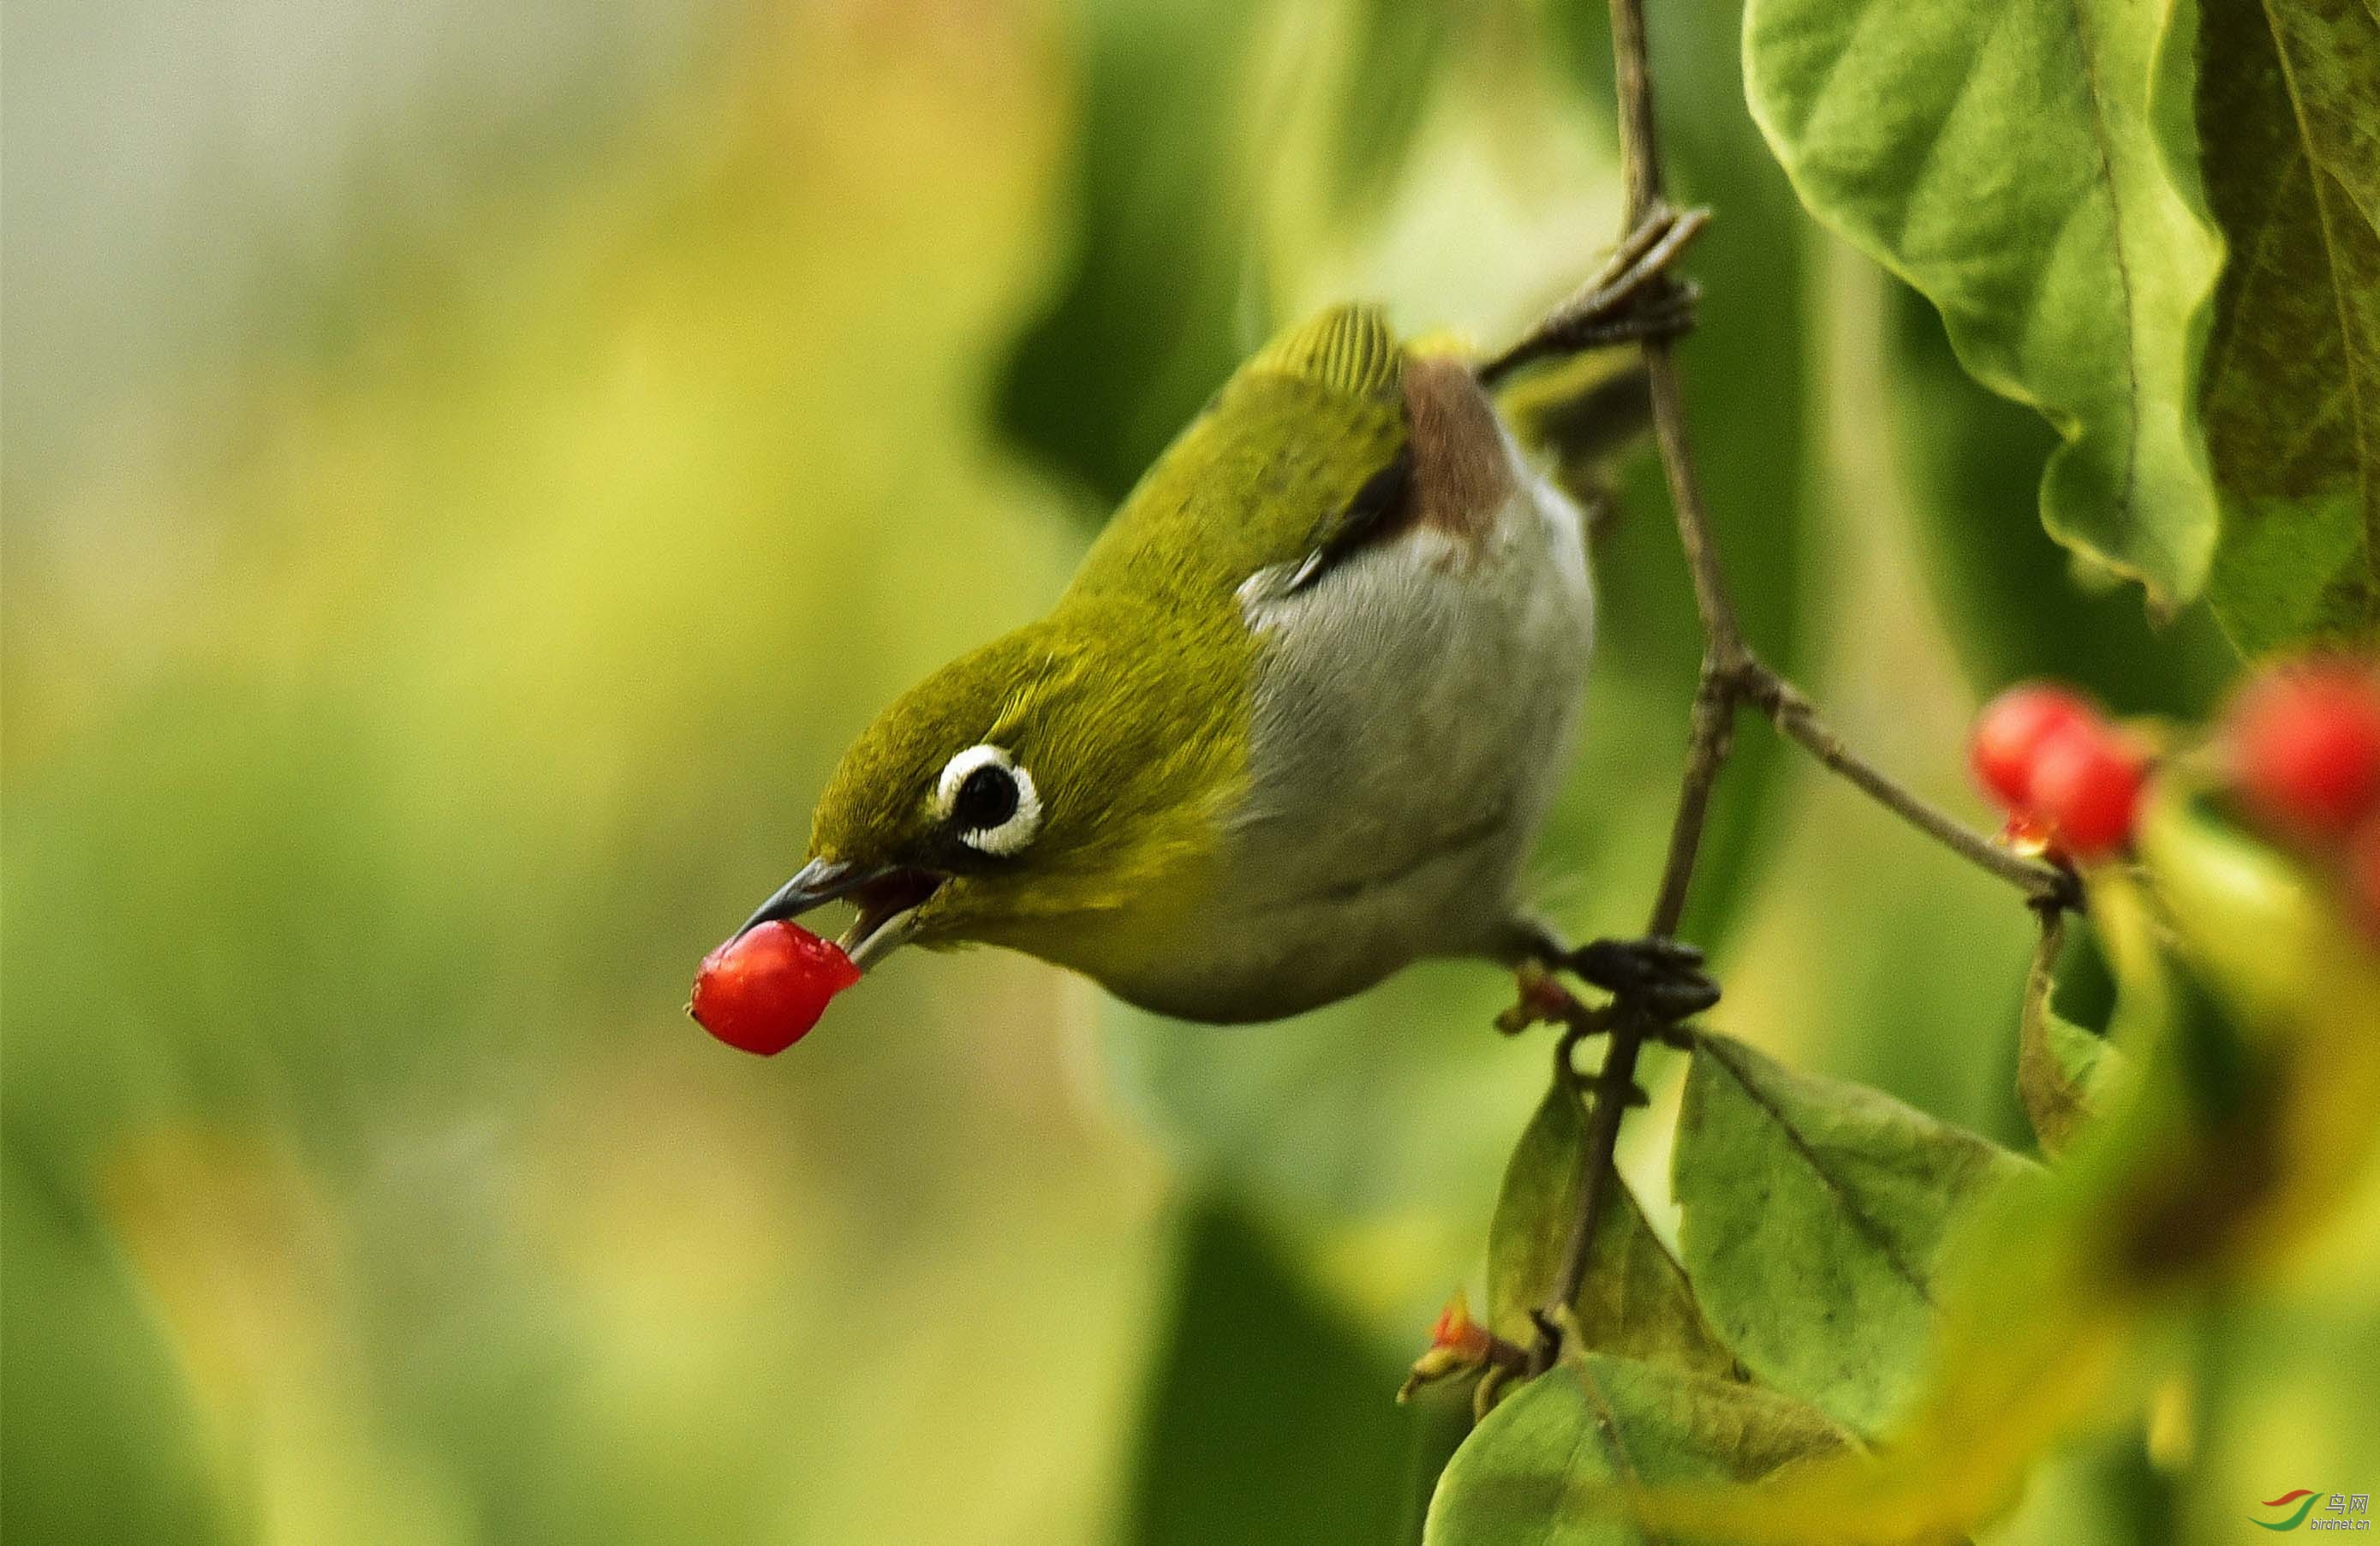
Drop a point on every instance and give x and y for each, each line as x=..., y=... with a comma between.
x=2061, y=1068
x=1537, y=1468
x=1816, y=1213
x=2270, y=939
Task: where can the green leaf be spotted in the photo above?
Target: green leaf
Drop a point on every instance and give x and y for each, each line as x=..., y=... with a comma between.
x=2062, y=1069
x=1816, y=1216
x=1970, y=465
x=2028, y=167
x=2288, y=113
x=1541, y=1468
x=2052, y=1294
x=1634, y=1300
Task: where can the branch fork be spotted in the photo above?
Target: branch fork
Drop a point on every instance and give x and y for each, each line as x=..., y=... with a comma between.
x=1633, y=296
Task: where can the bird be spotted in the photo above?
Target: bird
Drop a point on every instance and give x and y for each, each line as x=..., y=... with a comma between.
x=1298, y=717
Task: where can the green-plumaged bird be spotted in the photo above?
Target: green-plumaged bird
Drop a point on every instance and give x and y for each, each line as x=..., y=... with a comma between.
x=1295, y=724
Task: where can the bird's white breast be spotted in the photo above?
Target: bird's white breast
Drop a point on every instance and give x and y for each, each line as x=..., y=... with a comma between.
x=1413, y=716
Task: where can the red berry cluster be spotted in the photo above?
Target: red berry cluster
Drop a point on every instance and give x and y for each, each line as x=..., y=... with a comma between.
x=2069, y=779
x=2301, y=744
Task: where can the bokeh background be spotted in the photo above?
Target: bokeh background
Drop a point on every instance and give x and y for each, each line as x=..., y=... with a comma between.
x=469, y=469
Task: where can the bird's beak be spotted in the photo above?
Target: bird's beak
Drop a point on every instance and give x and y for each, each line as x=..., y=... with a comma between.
x=887, y=899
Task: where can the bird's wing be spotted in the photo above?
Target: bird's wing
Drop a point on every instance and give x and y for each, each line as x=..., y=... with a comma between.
x=1299, y=460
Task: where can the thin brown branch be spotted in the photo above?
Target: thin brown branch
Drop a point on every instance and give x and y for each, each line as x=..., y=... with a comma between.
x=1607, y=1095
x=1731, y=675
x=1798, y=719
x=1713, y=737
x=1639, y=144
x=1614, y=1087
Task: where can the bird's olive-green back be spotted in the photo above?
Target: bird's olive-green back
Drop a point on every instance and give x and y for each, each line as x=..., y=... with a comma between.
x=1258, y=477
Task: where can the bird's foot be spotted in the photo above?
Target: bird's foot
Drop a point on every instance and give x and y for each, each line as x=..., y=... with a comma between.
x=1633, y=296
x=1657, y=975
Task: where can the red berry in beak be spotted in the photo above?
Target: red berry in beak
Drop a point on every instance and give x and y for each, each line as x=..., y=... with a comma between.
x=762, y=991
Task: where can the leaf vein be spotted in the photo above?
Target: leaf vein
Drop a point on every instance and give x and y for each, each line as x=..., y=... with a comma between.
x=1858, y=1218
x=2106, y=175
x=1942, y=125
x=2359, y=416
x=1607, y=1422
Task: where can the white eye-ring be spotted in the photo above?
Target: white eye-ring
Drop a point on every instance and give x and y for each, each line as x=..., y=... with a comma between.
x=988, y=796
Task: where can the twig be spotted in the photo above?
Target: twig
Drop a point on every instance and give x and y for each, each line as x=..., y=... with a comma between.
x=1731, y=676
x=1731, y=673
x=1609, y=1095
x=1798, y=719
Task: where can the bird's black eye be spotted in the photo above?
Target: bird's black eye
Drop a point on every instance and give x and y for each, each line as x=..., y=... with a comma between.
x=987, y=797
x=989, y=800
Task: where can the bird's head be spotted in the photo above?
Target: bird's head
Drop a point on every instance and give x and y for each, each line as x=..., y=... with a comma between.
x=1012, y=795
x=1058, y=790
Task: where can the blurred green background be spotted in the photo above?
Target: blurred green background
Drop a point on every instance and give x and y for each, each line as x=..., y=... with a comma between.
x=468, y=470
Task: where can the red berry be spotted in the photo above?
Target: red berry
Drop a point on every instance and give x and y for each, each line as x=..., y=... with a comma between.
x=2086, y=787
x=2012, y=729
x=762, y=991
x=2305, y=747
